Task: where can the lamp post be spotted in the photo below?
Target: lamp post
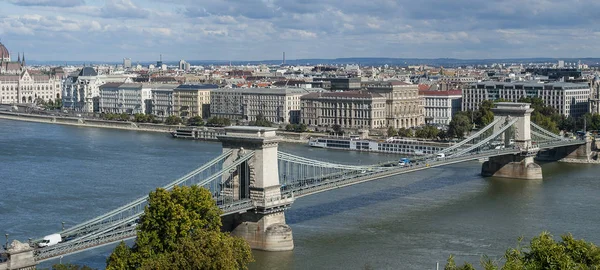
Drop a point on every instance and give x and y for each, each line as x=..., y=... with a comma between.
x=6, y=247
x=63, y=225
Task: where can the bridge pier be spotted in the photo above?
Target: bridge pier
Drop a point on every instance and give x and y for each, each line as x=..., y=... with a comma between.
x=19, y=256
x=521, y=166
x=264, y=228
x=512, y=166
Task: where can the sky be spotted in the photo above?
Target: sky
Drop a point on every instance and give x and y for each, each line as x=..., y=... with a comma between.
x=109, y=30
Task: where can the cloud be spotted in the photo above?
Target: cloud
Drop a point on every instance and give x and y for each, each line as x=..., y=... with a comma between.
x=256, y=29
x=123, y=9
x=52, y=3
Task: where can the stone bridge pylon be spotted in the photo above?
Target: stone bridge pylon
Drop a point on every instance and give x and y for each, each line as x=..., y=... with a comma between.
x=520, y=166
x=264, y=227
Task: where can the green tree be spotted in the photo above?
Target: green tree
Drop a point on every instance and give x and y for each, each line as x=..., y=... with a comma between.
x=391, y=132
x=544, y=252
x=180, y=229
x=337, y=129
x=405, y=132
x=261, y=121
x=173, y=120
x=124, y=117
x=68, y=266
x=195, y=121
x=459, y=126
x=218, y=121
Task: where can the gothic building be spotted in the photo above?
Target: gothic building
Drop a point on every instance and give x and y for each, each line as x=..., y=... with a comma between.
x=19, y=85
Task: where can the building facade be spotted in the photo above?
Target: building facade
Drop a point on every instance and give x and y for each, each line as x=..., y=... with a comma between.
x=569, y=99
x=129, y=98
x=349, y=109
x=404, y=106
x=277, y=105
x=81, y=91
x=191, y=100
x=161, y=101
x=440, y=106
x=19, y=85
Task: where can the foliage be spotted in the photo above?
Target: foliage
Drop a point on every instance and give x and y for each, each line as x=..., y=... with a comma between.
x=115, y=117
x=405, y=132
x=391, y=132
x=218, y=121
x=261, y=121
x=195, y=121
x=337, y=129
x=427, y=132
x=68, y=266
x=296, y=127
x=459, y=125
x=180, y=229
x=143, y=118
x=173, y=120
x=544, y=116
x=50, y=104
x=544, y=252
x=451, y=265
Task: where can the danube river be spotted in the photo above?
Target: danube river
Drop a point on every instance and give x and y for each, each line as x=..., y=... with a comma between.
x=51, y=174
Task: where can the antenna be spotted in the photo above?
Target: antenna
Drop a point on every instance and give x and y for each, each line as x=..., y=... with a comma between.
x=283, y=58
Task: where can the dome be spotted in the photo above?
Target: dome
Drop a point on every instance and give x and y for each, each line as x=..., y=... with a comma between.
x=4, y=54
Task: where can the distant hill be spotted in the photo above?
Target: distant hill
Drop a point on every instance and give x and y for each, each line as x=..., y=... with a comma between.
x=363, y=61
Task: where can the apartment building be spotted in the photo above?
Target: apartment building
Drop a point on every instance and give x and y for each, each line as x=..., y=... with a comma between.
x=130, y=98
x=191, y=100
x=81, y=91
x=440, y=106
x=569, y=99
x=404, y=106
x=277, y=105
x=349, y=109
x=161, y=99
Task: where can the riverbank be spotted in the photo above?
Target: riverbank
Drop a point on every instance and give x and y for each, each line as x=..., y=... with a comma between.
x=83, y=122
x=289, y=137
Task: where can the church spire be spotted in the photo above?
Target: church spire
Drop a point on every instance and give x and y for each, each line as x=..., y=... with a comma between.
x=23, y=59
x=19, y=57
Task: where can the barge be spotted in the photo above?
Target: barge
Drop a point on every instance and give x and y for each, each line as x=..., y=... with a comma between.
x=391, y=145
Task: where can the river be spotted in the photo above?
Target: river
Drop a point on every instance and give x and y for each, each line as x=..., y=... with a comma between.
x=51, y=174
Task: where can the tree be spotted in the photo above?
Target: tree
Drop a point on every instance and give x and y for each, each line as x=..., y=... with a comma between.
x=180, y=229
x=337, y=129
x=124, y=117
x=391, y=132
x=69, y=266
x=261, y=121
x=459, y=126
x=296, y=127
x=173, y=120
x=544, y=252
x=218, y=121
x=405, y=132
x=195, y=121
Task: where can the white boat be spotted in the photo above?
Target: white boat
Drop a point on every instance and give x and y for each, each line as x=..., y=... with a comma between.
x=391, y=145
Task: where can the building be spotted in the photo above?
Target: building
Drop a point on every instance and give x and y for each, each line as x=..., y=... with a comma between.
x=277, y=105
x=19, y=85
x=161, y=101
x=569, y=99
x=126, y=63
x=129, y=98
x=349, y=109
x=440, y=106
x=191, y=100
x=81, y=91
x=341, y=84
x=404, y=106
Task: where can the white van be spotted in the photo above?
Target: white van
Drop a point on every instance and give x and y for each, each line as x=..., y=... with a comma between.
x=50, y=240
x=441, y=155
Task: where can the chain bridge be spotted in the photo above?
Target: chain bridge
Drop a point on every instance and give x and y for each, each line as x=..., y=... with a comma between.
x=253, y=183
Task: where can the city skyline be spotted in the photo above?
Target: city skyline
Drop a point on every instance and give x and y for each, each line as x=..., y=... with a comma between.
x=86, y=30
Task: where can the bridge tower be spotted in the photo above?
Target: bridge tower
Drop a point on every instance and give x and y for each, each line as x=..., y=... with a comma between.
x=264, y=228
x=521, y=166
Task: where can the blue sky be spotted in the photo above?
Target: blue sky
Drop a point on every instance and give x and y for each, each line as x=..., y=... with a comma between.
x=98, y=30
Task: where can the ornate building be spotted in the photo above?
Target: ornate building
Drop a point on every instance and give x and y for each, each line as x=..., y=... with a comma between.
x=19, y=85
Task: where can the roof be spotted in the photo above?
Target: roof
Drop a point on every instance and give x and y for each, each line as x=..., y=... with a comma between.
x=534, y=84
x=441, y=93
x=87, y=71
x=345, y=94
x=194, y=87
x=270, y=91
x=4, y=51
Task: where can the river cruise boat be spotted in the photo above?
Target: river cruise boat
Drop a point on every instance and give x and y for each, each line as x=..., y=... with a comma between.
x=390, y=145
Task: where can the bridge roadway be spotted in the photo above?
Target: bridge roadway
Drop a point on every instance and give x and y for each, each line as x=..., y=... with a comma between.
x=290, y=193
